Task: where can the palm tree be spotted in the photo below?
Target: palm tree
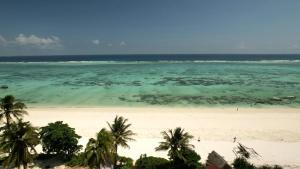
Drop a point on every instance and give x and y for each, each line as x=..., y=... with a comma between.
x=175, y=141
x=19, y=141
x=99, y=151
x=10, y=108
x=121, y=133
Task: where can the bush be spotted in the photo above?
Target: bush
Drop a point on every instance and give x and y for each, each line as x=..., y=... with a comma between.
x=242, y=163
x=191, y=160
x=60, y=139
x=270, y=167
x=124, y=163
x=77, y=160
x=145, y=162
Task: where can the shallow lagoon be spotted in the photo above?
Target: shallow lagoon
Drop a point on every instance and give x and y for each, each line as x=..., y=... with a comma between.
x=89, y=84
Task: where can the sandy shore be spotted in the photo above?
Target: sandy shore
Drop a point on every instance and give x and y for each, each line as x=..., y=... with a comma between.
x=273, y=132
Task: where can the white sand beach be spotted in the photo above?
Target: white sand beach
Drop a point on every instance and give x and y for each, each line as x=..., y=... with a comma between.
x=273, y=132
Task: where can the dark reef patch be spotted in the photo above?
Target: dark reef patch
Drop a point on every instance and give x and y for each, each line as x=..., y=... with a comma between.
x=167, y=99
x=204, y=81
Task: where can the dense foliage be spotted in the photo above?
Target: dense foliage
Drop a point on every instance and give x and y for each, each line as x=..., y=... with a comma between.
x=19, y=141
x=77, y=160
x=60, y=139
x=150, y=162
x=270, y=167
x=190, y=160
x=124, y=163
x=99, y=151
x=242, y=163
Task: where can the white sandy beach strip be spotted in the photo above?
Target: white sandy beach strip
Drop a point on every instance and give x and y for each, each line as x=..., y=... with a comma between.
x=273, y=132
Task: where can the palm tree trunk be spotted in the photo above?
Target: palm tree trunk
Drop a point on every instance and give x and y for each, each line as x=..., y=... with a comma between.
x=116, y=157
x=7, y=121
x=25, y=165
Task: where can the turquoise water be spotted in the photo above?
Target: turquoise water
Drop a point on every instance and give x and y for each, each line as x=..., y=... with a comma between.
x=83, y=84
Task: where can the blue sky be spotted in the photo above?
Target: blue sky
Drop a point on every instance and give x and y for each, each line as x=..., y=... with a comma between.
x=36, y=27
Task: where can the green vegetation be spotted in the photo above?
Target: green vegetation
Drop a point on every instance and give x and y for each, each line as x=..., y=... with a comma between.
x=145, y=162
x=180, y=151
x=121, y=133
x=18, y=140
x=60, y=139
x=124, y=163
x=77, y=160
x=11, y=109
x=99, y=151
x=242, y=163
x=270, y=167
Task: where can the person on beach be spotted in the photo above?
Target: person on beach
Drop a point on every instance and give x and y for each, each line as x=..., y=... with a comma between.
x=234, y=139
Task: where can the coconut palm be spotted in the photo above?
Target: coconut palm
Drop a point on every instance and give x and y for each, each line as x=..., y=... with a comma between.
x=175, y=141
x=121, y=133
x=10, y=109
x=99, y=151
x=19, y=142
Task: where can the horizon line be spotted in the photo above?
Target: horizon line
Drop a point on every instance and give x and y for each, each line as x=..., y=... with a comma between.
x=153, y=54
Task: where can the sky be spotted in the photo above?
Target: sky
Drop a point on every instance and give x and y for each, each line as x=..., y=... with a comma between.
x=75, y=27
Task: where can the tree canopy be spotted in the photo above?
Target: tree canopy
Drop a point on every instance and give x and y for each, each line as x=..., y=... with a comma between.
x=60, y=139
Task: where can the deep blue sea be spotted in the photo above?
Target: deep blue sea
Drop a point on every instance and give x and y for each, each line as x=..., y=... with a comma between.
x=154, y=57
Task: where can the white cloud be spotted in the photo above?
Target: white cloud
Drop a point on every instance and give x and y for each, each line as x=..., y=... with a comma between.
x=3, y=41
x=96, y=42
x=40, y=42
x=123, y=43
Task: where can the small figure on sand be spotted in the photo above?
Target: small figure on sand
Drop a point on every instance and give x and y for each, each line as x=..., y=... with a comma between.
x=198, y=139
x=237, y=109
x=234, y=139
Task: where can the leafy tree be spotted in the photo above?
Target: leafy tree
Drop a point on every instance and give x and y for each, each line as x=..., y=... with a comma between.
x=10, y=109
x=99, y=151
x=60, y=139
x=121, y=133
x=19, y=141
x=175, y=141
x=150, y=162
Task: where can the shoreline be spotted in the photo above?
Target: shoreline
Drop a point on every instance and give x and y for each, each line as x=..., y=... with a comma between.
x=164, y=107
x=272, y=132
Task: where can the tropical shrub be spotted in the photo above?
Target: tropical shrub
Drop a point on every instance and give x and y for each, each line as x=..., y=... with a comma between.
x=270, y=167
x=77, y=160
x=124, y=163
x=190, y=160
x=60, y=139
x=242, y=163
x=150, y=162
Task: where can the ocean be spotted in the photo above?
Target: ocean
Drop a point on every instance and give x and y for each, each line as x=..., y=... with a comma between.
x=152, y=80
